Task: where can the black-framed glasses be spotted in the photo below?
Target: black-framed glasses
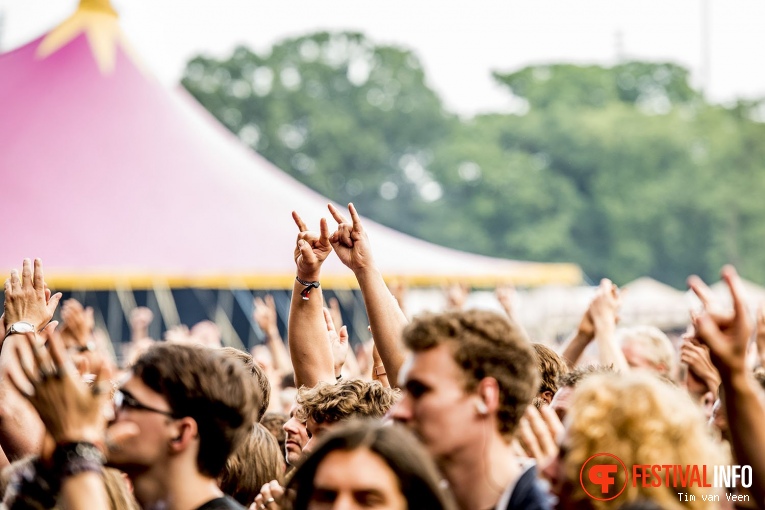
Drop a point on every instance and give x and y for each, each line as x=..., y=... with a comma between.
x=125, y=400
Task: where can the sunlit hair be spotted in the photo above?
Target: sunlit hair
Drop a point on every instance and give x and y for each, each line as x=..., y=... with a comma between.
x=655, y=347
x=484, y=344
x=417, y=475
x=573, y=377
x=256, y=461
x=264, y=385
x=352, y=398
x=642, y=420
x=550, y=366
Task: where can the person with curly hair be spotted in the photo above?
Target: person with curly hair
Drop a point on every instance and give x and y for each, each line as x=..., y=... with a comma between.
x=642, y=420
x=325, y=405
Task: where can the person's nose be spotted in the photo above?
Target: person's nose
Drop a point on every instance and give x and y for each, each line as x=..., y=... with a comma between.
x=402, y=411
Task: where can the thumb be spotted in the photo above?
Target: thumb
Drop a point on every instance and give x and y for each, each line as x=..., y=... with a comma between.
x=53, y=303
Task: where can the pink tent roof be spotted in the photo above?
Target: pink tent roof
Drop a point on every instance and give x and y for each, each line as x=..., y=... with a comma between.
x=114, y=180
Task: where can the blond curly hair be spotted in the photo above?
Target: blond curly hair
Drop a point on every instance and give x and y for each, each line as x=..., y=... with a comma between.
x=642, y=420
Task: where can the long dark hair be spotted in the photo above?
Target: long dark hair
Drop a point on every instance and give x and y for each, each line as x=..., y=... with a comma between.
x=417, y=474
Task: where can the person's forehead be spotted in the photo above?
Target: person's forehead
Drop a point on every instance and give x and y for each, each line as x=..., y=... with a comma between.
x=369, y=468
x=435, y=366
x=142, y=392
x=562, y=398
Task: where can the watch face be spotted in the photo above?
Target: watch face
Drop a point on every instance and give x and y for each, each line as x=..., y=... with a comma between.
x=22, y=327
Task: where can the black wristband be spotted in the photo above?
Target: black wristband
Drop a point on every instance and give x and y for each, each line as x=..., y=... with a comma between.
x=308, y=286
x=71, y=459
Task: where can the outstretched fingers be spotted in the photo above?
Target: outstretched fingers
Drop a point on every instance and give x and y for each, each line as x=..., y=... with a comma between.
x=26, y=273
x=324, y=232
x=702, y=291
x=328, y=319
x=355, y=218
x=336, y=214
x=733, y=281
x=299, y=222
x=39, y=278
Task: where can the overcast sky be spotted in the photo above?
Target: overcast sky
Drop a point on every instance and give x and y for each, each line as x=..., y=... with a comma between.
x=459, y=43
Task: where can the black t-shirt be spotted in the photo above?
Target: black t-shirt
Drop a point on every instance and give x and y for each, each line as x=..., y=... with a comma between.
x=224, y=503
x=528, y=495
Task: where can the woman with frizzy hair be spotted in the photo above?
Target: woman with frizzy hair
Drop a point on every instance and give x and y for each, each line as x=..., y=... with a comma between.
x=645, y=422
x=383, y=465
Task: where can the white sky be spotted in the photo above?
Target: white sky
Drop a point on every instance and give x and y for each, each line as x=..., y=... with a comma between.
x=458, y=42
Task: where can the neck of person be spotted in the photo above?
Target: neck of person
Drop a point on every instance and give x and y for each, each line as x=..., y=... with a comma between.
x=177, y=486
x=480, y=474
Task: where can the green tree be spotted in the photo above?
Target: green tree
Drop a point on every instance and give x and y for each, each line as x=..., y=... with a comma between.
x=626, y=170
x=353, y=120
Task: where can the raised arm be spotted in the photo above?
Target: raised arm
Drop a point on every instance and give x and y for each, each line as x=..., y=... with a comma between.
x=598, y=323
x=265, y=317
x=74, y=416
x=604, y=311
x=386, y=319
x=307, y=332
x=27, y=301
x=727, y=336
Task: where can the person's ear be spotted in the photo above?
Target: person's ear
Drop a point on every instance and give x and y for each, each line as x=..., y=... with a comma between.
x=488, y=396
x=184, y=433
x=547, y=396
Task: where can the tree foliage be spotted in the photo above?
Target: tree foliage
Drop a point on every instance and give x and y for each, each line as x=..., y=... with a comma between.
x=626, y=170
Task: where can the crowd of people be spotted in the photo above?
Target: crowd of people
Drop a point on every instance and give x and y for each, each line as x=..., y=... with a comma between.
x=450, y=410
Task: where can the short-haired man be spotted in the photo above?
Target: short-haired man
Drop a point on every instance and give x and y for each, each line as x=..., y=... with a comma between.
x=468, y=381
x=190, y=405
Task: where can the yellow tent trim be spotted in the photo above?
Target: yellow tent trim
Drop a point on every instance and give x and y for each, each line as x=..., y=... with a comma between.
x=532, y=276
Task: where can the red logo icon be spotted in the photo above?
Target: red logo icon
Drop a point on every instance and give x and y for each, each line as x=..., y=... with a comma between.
x=602, y=475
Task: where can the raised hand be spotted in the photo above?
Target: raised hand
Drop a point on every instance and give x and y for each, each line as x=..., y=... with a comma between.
x=269, y=498
x=604, y=309
x=350, y=240
x=726, y=334
x=311, y=249
x=27, y=298
x=505, y=295
x=78, y=323
x=338, y=340
x=70, y=410
x=700, y=365
x=265, y=315
x=539, y=432
x=456, y=295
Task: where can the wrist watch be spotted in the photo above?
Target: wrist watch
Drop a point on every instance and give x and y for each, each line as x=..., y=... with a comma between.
x=20, y=327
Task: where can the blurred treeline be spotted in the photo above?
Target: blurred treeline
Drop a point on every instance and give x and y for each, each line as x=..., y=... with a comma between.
x=627, y=171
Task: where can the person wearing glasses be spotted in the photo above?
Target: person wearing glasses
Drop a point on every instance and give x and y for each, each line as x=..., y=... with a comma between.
x=170, y=426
